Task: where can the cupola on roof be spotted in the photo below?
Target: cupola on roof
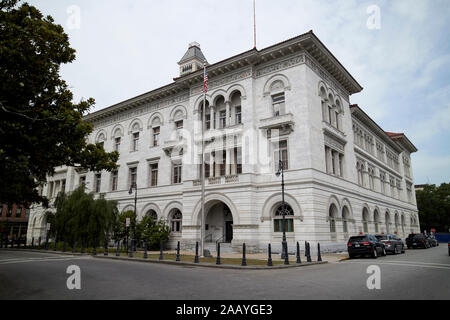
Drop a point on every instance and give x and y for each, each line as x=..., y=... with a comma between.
x=192, y=60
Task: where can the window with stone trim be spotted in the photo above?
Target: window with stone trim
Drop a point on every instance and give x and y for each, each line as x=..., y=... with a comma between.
x=176, y=221
x=278, y=219
x=281, y=153
x=278, y=104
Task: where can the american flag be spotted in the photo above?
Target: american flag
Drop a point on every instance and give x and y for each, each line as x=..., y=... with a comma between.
x=205, y=80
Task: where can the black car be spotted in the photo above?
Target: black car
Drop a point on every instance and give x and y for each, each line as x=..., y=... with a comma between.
x=365, y=245
x=418, y=240
x=392, y=243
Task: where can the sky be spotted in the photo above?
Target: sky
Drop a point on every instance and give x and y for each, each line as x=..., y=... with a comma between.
x=398, y=50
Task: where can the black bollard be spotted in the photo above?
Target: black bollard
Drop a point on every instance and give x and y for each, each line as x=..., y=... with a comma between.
x=309, y=253
x=118, y=249
x=32, y=242
x=286, y=256
x=319, y=256
x=145, y=250
x=178, y=252
x=82, y=247
x=54, y=245
x=130, y=249
x=39, y=244
x=106, y=248
x=161, y=257
x=218, y=254
x=46, y=243
x=1, y=242
x=12, y=243
x=269, y=260
x=298, y=254
x=94, y=250
x=74, y=246
x=196, y=260
x=64, y=245
x=244, y=259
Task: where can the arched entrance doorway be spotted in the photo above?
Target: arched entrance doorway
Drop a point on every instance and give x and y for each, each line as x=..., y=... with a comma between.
x=218, y=223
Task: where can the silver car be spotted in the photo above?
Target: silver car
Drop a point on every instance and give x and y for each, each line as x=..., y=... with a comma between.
x=392, y=243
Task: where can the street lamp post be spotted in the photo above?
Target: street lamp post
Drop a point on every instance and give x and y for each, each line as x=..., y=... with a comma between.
x=283, y=243
x=132, y=246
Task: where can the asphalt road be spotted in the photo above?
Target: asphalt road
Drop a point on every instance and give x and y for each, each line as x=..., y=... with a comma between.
x=418, y=274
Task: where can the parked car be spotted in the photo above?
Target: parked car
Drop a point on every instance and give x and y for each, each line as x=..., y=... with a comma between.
x=434, y=242
x=392, y=243
x=418, y=240
x=365, y=245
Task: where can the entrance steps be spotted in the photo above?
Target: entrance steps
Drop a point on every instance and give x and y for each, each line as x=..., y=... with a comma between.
x=224, y=247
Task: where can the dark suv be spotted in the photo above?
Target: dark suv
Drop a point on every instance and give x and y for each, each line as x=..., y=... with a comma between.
x=392, y=243
x=418, y=241
x=365, y=245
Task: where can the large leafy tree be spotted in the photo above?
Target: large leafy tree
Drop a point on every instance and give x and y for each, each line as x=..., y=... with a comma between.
x=81, y=218
x=434, y=207
x=40, y=126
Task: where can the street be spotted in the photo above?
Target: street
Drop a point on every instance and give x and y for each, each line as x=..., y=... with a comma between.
x=418, y=274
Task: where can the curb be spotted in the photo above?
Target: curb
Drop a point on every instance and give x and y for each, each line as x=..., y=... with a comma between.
x=209, y=265
x=180, y=263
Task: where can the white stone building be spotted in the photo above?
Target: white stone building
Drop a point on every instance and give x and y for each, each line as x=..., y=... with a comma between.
x=291, y=102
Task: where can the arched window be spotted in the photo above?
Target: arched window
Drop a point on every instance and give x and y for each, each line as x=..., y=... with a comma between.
x=278, y=98
x=371, y=178
x=365, y=217
x=278, y=219
x=153, y=214
x=388, y=222
x=101, y=139
x=345, y=218
x=376, y=220
x=403, y=223
x=236, y=108
x=176, y=221
x=332, y=215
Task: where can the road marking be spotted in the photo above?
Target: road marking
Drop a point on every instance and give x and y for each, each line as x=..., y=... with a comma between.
x=402, y=264
x=41, y=260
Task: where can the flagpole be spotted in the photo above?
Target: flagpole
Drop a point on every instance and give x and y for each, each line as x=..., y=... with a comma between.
x=202, y=233
x=254, y=22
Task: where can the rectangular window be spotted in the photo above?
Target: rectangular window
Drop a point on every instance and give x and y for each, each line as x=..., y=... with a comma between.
x=82, y=180
x=18, y=211
x=156, y=132
x=98, y=182
x=177, y=169
x=238, y=159
x=223, y=162
x=281, y=153
x=153, y=174
x=9, y=212
x=208, y=121
x=133, y=176
x=179, y=124
x=278, y=103
x=117, y=144
x=238, y=115
x=114, y=180
x=63, y=185
x=222, y=119
x=135, y=141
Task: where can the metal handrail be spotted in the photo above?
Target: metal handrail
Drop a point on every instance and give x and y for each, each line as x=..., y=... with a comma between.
x=219, y=240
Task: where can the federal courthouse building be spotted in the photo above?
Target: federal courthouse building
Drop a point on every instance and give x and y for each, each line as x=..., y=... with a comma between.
x=290, y=102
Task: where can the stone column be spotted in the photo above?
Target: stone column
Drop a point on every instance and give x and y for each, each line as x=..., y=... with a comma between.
x=227, y=162
x=211, y=165
x=228, y=113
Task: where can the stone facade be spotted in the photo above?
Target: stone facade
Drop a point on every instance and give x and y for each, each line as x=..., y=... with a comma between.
x=279, y=103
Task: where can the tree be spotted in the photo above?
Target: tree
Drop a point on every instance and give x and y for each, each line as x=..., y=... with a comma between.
x=434, y=207
x=120, y=229
x=81, y=218
x=152, y=232
x=40, y=127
